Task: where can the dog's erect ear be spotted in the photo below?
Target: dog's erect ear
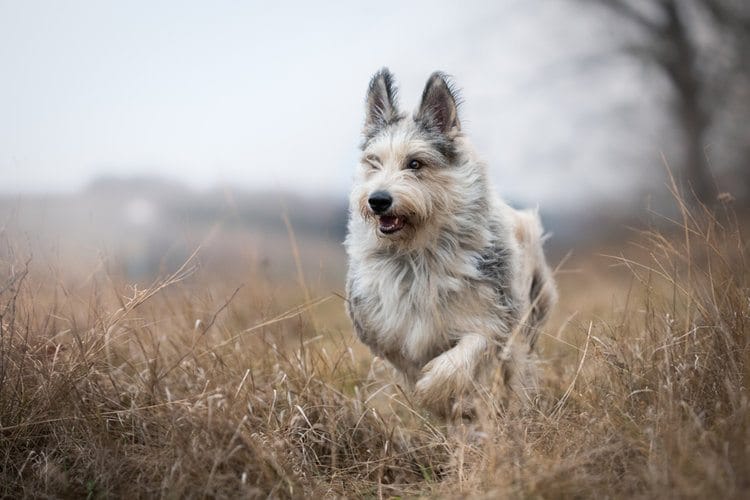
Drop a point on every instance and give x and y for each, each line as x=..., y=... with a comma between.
x=381, y=102
x=439, y=107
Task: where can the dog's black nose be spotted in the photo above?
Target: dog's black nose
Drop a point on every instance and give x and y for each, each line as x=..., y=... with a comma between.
x=380, y=201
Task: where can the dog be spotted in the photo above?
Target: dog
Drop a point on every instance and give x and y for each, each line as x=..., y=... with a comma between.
x=445, y=281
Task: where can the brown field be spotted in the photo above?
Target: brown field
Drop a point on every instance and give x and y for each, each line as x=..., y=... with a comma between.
x=229, y=380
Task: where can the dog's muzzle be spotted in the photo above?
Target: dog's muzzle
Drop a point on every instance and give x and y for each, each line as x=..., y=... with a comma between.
x=380, y=202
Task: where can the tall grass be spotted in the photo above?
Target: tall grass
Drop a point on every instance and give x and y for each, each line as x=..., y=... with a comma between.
x=191, y=388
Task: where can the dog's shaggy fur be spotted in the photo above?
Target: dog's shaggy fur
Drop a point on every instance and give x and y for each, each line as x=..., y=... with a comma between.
x=445, y=280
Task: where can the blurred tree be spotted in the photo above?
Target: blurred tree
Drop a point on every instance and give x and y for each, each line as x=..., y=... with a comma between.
x=702, y=48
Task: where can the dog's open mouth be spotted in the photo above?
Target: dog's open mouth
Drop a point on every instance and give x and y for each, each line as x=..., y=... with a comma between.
x=389, y=224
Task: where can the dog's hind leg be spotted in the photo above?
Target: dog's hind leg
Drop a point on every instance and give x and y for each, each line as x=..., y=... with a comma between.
x=535, y=280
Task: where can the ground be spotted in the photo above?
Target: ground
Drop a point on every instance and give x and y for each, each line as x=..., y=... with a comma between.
x=196, y=386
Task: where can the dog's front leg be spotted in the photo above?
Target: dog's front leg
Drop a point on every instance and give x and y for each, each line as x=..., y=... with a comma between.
x=452, y=373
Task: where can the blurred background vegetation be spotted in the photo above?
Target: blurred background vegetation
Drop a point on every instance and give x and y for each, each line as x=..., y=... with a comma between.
x=135, y=134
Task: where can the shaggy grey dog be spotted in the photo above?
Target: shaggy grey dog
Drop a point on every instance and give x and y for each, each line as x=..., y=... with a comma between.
x=445, y=281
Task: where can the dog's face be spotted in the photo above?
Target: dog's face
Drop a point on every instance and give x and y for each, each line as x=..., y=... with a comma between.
x=405, y=179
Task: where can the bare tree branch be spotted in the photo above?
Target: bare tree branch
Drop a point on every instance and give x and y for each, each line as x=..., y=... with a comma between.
x=630, y=12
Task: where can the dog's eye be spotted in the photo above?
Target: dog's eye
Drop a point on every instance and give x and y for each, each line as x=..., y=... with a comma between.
x=414, y=165
x=372, y=161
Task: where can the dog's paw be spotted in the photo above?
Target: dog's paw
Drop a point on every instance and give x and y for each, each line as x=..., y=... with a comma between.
x=443, y=393
x=439, y=382
x=426, y=390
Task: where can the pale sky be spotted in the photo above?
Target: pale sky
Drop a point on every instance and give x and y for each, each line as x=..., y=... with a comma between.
x=262, y=96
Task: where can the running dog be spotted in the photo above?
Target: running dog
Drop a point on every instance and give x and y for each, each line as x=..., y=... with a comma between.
x=445, y=281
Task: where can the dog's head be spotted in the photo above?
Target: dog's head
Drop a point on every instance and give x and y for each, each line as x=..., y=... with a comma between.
x=408, y=180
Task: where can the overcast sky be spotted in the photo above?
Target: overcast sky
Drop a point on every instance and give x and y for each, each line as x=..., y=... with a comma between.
x=262, y=96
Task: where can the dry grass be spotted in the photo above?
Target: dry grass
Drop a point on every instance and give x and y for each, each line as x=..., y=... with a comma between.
x=193, y=388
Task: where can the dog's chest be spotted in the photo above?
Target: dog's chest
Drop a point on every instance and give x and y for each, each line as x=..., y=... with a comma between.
x=412, y=306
